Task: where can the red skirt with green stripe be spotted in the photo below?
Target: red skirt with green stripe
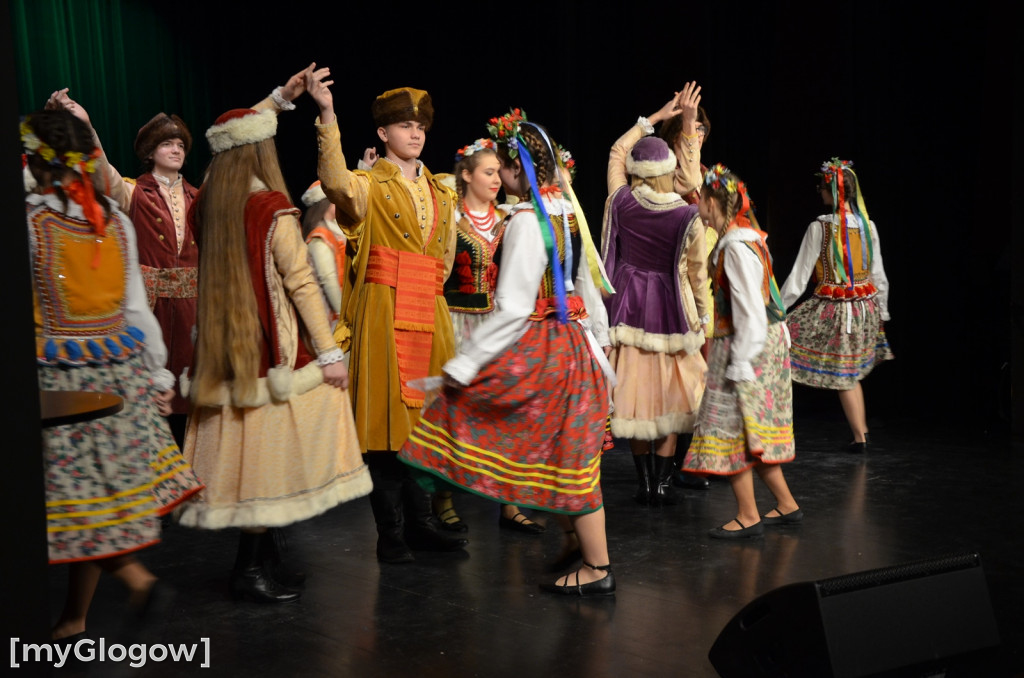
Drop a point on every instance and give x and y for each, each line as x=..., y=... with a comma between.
x=529, y=429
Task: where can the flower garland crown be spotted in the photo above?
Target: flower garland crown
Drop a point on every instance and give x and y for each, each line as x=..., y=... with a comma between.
x=75, y=160
x=720, y=176
x=830, y=168
x=505, y=130
x=478, y=145
x=566, y=160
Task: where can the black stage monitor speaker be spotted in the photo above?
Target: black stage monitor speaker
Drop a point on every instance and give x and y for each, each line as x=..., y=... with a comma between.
x=861, y=624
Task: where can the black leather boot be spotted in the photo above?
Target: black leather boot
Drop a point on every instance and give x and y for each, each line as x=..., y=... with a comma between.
x=386, y=502
x=662, y=492
x=423, y=531
x=251, y=579
x=273, y=547
x=643, y=476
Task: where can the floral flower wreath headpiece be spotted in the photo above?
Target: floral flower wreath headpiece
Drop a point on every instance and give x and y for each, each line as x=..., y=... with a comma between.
x=80, y=190
x=505, y=130
x=75, y=160
x=832, y=172
x=478, y=145
x=566, y=160
x=719, y=177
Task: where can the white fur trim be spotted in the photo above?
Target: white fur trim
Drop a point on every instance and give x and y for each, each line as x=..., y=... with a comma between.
x=277, y=511
x=650, y=168
x=276, y=387
x=645, y=192
x=691, y=342
x=247, y=129
x=313, y=195
x=647, y=429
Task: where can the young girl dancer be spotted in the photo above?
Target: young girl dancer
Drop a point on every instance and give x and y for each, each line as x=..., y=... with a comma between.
x=522, y=417
x=838, y=335
x=272, y=427
x=108, y=481
x=746, y=418
x=654, y=251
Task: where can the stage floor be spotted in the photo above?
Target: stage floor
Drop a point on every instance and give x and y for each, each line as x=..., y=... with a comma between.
x=915, y=495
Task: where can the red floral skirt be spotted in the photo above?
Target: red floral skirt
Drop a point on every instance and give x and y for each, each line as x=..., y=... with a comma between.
x=530, y=428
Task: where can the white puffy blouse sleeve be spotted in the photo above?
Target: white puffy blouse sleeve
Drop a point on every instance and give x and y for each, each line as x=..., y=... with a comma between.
x=810, y=249
x=137, y=313
x=523, y=261
x=878, y=275
x=745, y=273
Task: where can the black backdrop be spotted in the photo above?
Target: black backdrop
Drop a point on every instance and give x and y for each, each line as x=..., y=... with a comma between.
x=921, y=99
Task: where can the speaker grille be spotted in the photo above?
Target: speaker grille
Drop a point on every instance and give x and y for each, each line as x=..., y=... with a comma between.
x=897, y=573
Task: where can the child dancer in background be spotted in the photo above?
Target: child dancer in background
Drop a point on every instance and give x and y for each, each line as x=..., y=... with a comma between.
x=522, y=417
x=746, y=419
x=654, y=251
x=838, y=335
x=108, y=481
x=272, y=428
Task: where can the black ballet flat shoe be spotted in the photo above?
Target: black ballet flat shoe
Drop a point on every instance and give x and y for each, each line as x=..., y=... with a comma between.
x=791, y=518
x=690, y=481
x=601, y=587
x=858, y=448
x=745, y=532
x=451, y=521
x=520, y=523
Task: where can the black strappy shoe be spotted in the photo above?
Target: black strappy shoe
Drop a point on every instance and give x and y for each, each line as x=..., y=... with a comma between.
x=601, y=587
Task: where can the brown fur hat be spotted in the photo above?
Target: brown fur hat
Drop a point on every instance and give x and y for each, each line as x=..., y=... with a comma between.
x=158, y=130
x=404, y=103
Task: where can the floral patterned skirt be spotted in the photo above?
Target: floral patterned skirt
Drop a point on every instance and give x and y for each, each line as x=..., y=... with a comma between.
x=836, y=343
x=109, y=480
x=744, y=422
x=529, y=429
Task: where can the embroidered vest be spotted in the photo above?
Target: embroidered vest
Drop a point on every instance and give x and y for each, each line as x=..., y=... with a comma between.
x=773, y=307
x=470, y=287
x=830, y=284
x=80, y=283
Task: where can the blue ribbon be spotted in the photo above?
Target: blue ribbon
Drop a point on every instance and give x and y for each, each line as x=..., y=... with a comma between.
x=561, y=304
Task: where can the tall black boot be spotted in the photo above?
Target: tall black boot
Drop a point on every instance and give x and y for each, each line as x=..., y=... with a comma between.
x=643, y=476
x=272, y=548
x=250, y=578
x=423, y=531
x=662, y=492
x=386, y=502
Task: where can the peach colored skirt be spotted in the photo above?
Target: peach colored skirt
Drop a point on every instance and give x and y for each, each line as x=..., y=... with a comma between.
x=657, y=393
x=275, y=464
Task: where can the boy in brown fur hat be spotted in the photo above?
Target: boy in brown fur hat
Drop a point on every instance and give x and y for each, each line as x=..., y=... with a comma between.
x=398, y=219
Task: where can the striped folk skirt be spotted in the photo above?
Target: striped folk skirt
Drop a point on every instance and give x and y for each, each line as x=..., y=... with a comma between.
x=529, y=429
x=109, y=480
x=741, y=423
x=836, y=343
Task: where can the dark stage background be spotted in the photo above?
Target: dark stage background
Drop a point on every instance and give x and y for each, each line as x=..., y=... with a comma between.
x=919, y=99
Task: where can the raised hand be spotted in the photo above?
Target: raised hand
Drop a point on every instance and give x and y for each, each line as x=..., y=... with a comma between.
x=688, y=101
x=319, y=89
x=296, y=84
x=669, y=110
x=60, y=101
x=370, y=156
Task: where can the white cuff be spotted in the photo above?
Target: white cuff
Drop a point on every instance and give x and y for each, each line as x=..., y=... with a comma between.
x=459, y=371
x=163, y=380
x=325, y=359
x=280, y=102
x=705, y=319
x=740, y=371
x=645, y=125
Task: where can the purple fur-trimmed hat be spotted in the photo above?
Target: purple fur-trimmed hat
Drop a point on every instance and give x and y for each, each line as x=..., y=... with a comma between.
x=650, y=157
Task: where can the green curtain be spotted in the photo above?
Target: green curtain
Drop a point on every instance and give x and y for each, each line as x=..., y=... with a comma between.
x=123, y=60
